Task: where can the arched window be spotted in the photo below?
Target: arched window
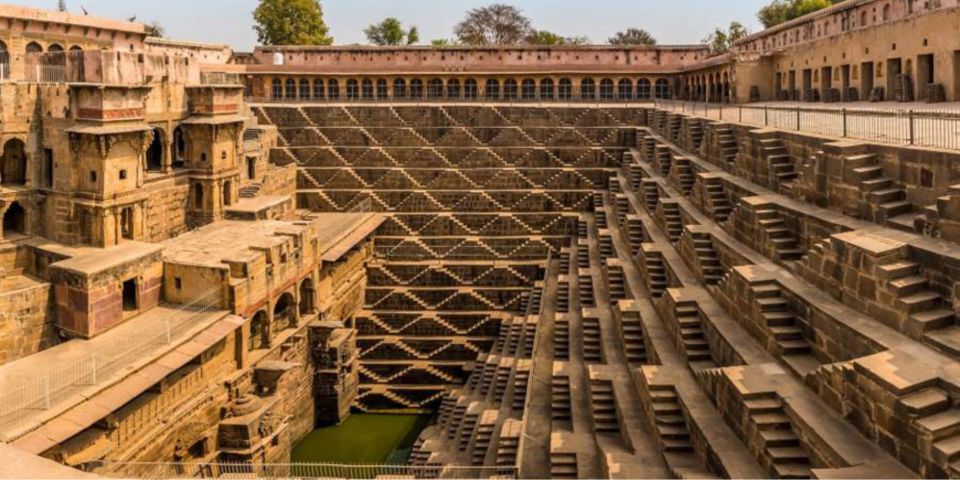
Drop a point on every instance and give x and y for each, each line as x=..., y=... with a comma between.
x=606, y=89
x=333, y=89
x=470, y=89
x=565, y=89
x=588, y=89
x=492, y=89
x=546, y=89
x=399, y=88
x=644, y=89
x=13, y=163
x=435, y=88
x=510, y=89
x=625, y=89
x=528, y=89
x=304, y=89
x=453, y=89
x=76, y=48
x=284, y=315
x=416, y=88
x=276, y=89
x=886, y=12
x=353, y=89
x=55, y=48
x=367, y=89
x=382, y=88
x=318, y=90
x=290, y=90
x=662, y=89
x=34, y=47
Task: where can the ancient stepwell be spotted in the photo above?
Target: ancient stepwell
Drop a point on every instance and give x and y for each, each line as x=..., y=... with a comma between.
x=514, y=261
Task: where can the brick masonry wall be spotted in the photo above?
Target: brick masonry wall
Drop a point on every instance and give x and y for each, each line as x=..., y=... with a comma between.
x=26, y=322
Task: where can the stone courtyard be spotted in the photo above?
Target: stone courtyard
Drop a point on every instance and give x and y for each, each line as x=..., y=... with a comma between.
x=648, y=262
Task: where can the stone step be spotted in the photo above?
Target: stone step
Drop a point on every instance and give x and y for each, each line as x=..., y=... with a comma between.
x=779, y=438
x=874, y=184
x=899, y=269
x=887, y=195
x=791, y=470
x=941, y=425
x=763, y=405
x=895, y=208
x=866, y=173
x=788, y=455
x=920, y=302
x=904, y=286
x=925, y=402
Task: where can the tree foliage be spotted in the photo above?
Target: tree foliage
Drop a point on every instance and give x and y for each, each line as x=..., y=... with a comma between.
x=154, y=29
x=780, y=11
x=496, y=24
x=544, y=37
x=721, y=40
x=632, y=36
x=291, y=22
x=391, y=32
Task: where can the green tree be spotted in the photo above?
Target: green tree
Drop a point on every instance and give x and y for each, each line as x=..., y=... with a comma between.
x=780, y=11
x=721, y=40
x=544, y=37
x=444, y=42
x=291, y=22
x=496, y=24
x=154, y=29
x=390, y=32
x=632, y=36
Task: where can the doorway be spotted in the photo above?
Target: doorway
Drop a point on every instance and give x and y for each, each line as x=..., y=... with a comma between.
x=130, y=300
x=866, y=80
x=925, y=75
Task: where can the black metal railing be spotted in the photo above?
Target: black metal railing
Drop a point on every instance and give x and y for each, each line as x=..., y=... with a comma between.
x=919, y=127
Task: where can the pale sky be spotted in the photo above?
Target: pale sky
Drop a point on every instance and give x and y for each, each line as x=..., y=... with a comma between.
x=229, y=21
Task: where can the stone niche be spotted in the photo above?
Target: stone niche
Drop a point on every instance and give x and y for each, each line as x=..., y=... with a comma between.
x=96, y=292
x=254, y=431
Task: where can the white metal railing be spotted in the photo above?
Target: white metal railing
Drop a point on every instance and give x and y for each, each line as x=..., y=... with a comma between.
x=294, y=470
x=17, y=405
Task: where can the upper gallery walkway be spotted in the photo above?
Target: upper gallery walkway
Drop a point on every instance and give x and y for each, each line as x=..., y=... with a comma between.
x=912, y=123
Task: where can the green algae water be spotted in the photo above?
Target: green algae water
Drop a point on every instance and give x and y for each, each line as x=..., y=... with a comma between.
x=362, y=439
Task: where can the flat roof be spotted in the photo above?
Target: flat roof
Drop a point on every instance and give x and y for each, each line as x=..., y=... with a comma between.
x=66, y=18
x=92, y=261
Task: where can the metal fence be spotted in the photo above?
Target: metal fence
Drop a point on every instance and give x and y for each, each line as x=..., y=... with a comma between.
x=44, y=391
x=919, y=127
x=293, y=470
x=427, y=100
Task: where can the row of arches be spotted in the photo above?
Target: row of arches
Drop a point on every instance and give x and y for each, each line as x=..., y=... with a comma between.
x=455, y=89
x=285, y=314
x=711, y=87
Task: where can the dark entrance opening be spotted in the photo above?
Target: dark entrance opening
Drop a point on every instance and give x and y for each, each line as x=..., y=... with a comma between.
x=14, y=220
x=179, y=148
x=126, y=223
x=845, y=93
x=155, y=152
x=13, y=164
x=866, y=80
x=130, y=295
x=894, y=85
x=808, y=85
x=925, y=75
x=252, y=168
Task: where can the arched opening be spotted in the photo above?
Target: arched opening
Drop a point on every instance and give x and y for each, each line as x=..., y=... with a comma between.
x=491, y=89
x=662, y=89
x=643, y=89
x=528, y=89
x=290, y=90
x=179, y=148
x=416, y=88
x=276, y=89
x=34, y=47
x=588, y=89
x=470, y=89
x=453, y=89
x=318, y=89
x=284, y=316
x=382, y=88
x=366, y=89
x=14, y=220
x=606, y=89
x=353, y=89
x=306, y=297
x=13, y=164
x=227, y=197
x=4, y=61
x=565, y=89
x=333, y=89
x=546, y=89
x=399, y=88
x=435, y=88
x=625, y=89
x=259, y=331
x=304, y=89
x=510, y=89
x=155, y=152
x=76, y=48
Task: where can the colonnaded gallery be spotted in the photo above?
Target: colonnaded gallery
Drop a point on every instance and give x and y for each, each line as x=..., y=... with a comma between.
x=568, y=262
